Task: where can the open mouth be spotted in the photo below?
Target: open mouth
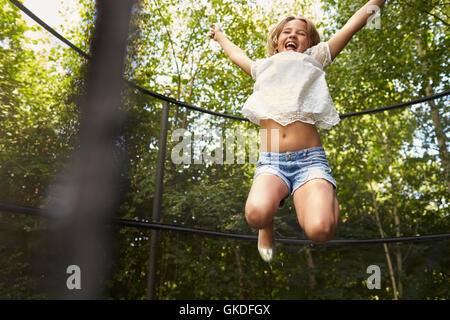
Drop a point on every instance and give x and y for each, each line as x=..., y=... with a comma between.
x=290, y=45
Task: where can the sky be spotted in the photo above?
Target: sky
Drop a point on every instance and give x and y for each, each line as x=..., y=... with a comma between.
x=51, y=12
x=61, y=15
x=47, y=10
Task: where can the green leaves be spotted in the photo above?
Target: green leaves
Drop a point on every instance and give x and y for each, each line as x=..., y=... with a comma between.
x=384, y=164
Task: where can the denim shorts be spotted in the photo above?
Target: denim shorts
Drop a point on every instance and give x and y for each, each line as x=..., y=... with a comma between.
x=295, y=168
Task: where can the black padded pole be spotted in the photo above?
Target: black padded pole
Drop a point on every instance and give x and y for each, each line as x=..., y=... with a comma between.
x=85, y=197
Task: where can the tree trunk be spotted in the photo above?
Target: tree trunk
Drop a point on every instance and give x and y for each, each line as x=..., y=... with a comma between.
x=191, y=83
x=385, y=246
x=394, y=191
x=382, y=235
x=311, y=276
x=441, y=138
x=237, y=255
x=436, y=117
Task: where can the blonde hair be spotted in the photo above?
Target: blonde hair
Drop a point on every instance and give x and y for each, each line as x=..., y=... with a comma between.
x=274, y=33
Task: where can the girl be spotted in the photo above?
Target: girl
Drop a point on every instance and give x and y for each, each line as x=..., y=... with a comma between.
x=290, y=99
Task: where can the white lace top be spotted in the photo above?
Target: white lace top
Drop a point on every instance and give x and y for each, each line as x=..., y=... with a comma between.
x=291, y=86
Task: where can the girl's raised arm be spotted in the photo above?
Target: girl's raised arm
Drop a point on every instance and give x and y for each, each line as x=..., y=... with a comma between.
x=356, y=22
x=236, y=54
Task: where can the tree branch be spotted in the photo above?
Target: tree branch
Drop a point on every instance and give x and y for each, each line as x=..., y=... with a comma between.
x=428, y=13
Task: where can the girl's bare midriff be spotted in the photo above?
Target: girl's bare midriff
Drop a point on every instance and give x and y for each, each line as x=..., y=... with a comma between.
x=292, y=137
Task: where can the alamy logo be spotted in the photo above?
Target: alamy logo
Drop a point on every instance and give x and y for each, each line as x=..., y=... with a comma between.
x=374, y=21
x=74, y=280
x=374, y=281
x=214, y=147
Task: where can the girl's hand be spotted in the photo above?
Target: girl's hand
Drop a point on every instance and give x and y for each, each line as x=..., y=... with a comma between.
x=215, y=32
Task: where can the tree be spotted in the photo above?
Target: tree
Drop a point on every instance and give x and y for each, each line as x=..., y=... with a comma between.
x=388, y=173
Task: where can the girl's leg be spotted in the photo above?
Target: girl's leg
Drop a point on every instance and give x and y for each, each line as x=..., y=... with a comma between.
x=262, y=203
x=317, y=209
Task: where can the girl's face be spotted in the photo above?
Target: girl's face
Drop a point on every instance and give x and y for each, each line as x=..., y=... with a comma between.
x=293, y=37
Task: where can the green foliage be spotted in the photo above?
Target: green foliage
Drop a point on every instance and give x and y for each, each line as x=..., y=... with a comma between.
x=389, y=175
